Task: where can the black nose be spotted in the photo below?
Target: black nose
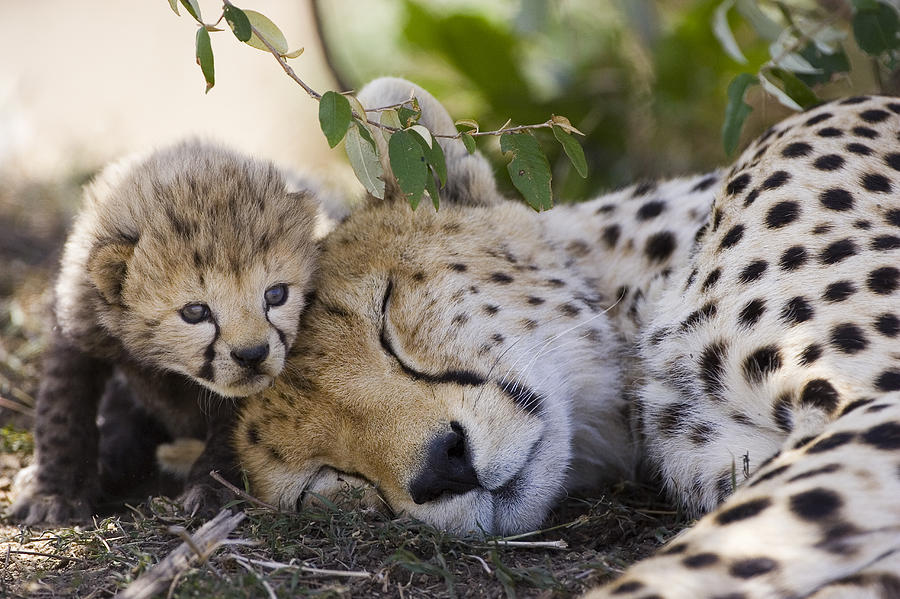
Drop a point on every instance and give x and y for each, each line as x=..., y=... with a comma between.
x=448, y=468
x=250, y=356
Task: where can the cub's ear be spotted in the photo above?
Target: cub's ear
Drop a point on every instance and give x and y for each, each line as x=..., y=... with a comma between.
x=107, y=267
x=470, y=179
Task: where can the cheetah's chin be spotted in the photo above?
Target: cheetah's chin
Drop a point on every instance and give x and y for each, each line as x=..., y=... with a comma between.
x=244, y=386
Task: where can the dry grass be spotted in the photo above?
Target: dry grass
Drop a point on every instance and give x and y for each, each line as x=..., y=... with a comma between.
x=331, y=551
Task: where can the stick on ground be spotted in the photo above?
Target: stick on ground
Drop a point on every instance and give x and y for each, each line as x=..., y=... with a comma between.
x=206, y=540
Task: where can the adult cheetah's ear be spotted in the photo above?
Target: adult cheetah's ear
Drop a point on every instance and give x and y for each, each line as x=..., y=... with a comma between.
x=107, y=266
x=470, y=179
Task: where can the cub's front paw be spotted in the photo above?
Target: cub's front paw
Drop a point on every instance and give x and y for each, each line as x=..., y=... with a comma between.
x=50, y=508
x=204, y=501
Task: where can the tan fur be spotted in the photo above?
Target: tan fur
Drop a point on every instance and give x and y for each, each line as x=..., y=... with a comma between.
x=191, y=224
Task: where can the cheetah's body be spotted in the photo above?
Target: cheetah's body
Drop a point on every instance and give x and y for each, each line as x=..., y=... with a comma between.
x=746, y=323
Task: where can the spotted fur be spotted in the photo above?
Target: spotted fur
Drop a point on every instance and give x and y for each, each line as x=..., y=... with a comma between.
x=193, y=224
x=735, y=331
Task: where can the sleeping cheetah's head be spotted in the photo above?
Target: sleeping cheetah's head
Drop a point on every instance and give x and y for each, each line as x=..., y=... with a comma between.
x=199, y=260
x=453, y=359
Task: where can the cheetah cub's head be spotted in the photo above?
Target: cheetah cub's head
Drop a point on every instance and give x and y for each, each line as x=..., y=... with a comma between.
x=200, y=260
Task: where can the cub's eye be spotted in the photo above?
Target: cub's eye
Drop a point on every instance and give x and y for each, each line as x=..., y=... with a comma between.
x=276, y=294
x=194, y=313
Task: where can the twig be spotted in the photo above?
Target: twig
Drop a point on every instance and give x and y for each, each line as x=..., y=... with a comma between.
x=303, y=568
x=243, y=562
x=62, y=558
x=241, y=493
x=481, y=561
x=533, y=544
x=203, y=542
x=16, y=406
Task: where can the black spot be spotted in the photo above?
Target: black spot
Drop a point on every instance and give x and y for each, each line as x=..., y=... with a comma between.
x=893, y=161
x=815, y=504
x=627, y=587
x=769, y=475
x=819, y=393
x=738, y=184
x=660, y=246
x=460, y=319
x=818, y=119
x=502, y=278
x=862, y=224
x=711, y=279
x=889, y=380
x=459, y=267
x=861, y=149
x=690, y=279
x=829, y=132
x=828, y=162
x=611, y=234
x=557, y=283
x=253, y=437
x=893, y=217
x=753, y=271
x=796, y=150
x=490, y=309
x=716, y=219
x=672, y=418
x=782, y=213
x=732, y=237
x=528, y=324
x=524, y=397
x=853, y=405
x=782, y=412
x=884, y=280
x=865, y=132
x=742, y=511
x=534, y=300
x=797, y=310
x=876, y=182
x=761, y=362
x=700, y=560
x=712, y=369
x=751, y=197
x=651, y=209
x=883, y=436
x=569, y=310
x=701, y=433
x=884, y=243
x=793, y=258
x=801, y=442
x=748, y=568
x=776, y=180
x=675, y=549
x=838, y=251
x=853, y=100
x=704, y=184
x=894, y=107
x=644, y=188
x=605, y=209
x=888, y=324
x=751, y=313
x=830, y=442
x=703, y=313
x=874, y=115
x=418, y=276
x=839, y=291
x=837, y=199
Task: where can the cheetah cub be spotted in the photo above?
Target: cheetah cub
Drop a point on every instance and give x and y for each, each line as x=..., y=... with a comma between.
x=180, y=289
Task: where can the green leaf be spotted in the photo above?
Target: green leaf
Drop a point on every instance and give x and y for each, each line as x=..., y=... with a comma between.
x=389, y=118
x=737, y=111
x=828, y=64
x=408, y=164
x=469, y=142
x=205, y=58
x=334, y=117
x=875, y=26
x=173, y=4
x=431, y=188
x=776, y=92
x=365, y=162
x=572, y=148
x=268, y=30
x=365, y=133
x=764, y=26
x=528, y=169
x=238, y=22
x=434, y=154
x=193, y=8
x=796, y=89
x=408, y=116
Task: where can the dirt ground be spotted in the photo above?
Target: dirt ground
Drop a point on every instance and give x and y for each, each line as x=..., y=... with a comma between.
x=331, y=551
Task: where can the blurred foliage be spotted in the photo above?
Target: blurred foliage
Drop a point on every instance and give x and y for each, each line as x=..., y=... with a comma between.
x=646, y=81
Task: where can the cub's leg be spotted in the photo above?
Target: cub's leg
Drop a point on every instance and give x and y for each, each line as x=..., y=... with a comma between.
x=204, y=496
x=65, y=486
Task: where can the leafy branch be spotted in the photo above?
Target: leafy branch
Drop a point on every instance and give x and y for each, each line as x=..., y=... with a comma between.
x=416, y=159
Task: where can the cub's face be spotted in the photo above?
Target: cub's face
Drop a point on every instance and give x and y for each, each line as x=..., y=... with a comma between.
x=443, y=368
x=200, y=262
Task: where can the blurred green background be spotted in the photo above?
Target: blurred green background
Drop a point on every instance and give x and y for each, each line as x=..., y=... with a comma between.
x=645, y=81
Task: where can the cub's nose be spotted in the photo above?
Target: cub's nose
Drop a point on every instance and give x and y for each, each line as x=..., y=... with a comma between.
x=249, y=357
x=447, y=469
